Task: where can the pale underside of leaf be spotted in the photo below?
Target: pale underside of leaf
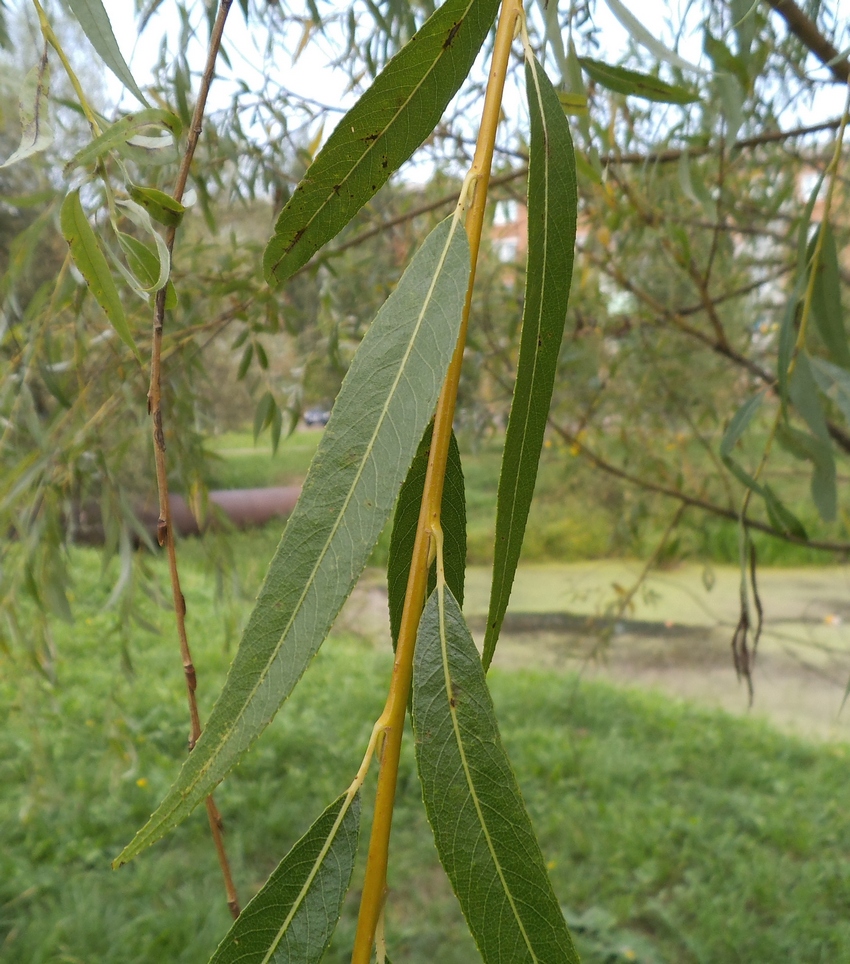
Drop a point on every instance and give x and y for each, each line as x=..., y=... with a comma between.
x=127, y=131
x=552, y=204
x=36, y=134
x=382, y=130
x=386, y=401
x=646, y=39
x=481, y=828
x=96, y=25
x=140, y=217
x=293, y=917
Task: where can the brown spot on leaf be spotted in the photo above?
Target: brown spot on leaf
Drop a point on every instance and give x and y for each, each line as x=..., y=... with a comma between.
x=295, y=239
x=452, y=34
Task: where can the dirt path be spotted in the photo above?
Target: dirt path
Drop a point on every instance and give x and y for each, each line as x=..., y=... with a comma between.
x=674, y=637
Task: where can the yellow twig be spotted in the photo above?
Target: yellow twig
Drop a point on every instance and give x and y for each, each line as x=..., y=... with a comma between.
x=51, y=38
x=392, y=718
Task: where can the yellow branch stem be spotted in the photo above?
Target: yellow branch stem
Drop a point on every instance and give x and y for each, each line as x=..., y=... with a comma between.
x=392, y=718
x=51, y=38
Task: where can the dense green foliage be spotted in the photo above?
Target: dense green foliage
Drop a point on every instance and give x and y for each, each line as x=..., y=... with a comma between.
x=704, y=333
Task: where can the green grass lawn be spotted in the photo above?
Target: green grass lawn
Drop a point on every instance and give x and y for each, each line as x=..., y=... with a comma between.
x=672, y=834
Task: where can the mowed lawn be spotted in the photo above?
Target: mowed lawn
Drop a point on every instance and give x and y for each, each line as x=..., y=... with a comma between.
x=672, y=834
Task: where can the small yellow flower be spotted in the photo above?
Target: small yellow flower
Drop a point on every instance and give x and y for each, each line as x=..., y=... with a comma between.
x=629, y=954
x=551, y=865
x=142, y=782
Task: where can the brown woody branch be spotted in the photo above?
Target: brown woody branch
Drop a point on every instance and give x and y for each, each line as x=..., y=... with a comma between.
x=806, y=31
x=689, y=500
x=672, y=154
x=660, y=157
x=676, y=320
x=165, y=531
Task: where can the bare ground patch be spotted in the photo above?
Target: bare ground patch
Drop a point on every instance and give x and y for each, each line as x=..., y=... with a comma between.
x=674, y=637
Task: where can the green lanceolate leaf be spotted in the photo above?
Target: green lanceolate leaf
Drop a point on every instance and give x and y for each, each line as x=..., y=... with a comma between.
x=552, y=204
x=453, y=521
x=97, y=27
x=483, y=834
x=292, y=919
x=379, y=133
x=645, y=38
x=36, y=134
x=826, y=299
x=781, y=518
x=725, y=61
x=788, y=337
x=803, y=391
x=818, y=451
x=264, y=413
x=386, y=400
x=635, y=84
x=834, y=382
x=118, y=134
x=92, y=265
x=159, y=205
x=734, y=431
x=146, y=267
x=738, y=425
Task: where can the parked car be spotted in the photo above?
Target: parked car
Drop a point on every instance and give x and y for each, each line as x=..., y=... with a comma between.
x=315, y=417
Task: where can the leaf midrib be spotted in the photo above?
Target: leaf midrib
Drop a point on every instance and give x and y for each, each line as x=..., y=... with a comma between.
x=205, y=767
x=308, y=883
x=371, y=146
x=467, y=772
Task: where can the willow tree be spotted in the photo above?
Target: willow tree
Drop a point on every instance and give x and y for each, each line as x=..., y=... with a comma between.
x=389, y=449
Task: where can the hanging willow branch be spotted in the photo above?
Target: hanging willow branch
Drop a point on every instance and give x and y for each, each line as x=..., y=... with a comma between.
x=165, y=531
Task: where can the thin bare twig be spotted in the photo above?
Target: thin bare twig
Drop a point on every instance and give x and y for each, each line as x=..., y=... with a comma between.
x=676, y=320
x=689, y=500
x=672, y=154
x=508, y=177
x=165, y=532
x=629, y=594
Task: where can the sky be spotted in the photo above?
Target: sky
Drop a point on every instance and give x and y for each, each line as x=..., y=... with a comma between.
x=311, y=76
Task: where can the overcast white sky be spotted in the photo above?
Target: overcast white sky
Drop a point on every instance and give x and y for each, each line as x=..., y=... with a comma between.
x=311, y=76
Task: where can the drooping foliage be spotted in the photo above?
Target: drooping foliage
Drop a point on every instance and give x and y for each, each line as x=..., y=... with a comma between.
x=672, y=316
